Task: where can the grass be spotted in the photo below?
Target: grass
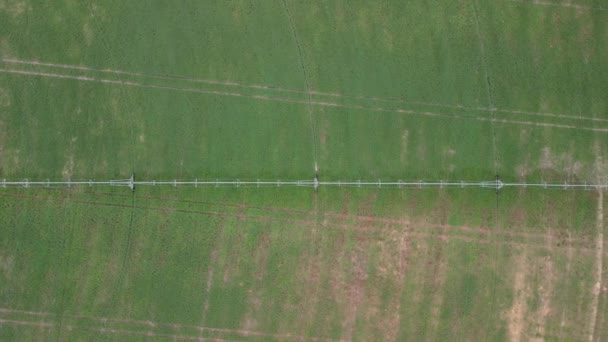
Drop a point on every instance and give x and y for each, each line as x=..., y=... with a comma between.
x=417, y=84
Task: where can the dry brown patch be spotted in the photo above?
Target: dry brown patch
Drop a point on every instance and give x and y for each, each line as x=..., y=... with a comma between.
x=448, y=158
x=340, y=17
x=524, y=136
x=7, y=263
x=439, y=275
x=14, y=8
x=584, y=37
x=5, y=48
x=522, y=171
x=2, y=143
x=313, y=268
x=546, y=159
x=87, y=33
x=261, y=256
x=391, y=267
x=421, y=152
x=517, y=313
x=364, y=23
x=5, y=97
x=392, y=253
x=600, y=170
x=572, y=168
x=249, y=321
x=563, y=163
x=357, y=261
x=404, y=145
x=391, y=322
x=355, y=289
x=345, y=205
x=68, y=168
x=388, y=39
x=237, y=15
x=97, y=12
x=323, y=134
x=311, y=277
x=450, y=152
x=546, y=292
x=518, y=216
x=210, y=273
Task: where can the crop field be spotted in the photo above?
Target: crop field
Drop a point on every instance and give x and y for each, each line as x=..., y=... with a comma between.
x=435, y=90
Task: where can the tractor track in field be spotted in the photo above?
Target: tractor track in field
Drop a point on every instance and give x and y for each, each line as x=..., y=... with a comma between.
x=597, y=273
x=211, y=272
x=490, y=93
x=559, y=4
x=109, y=331
x=375, y=108
x=140, y=323
x=443, y=232
x=295, y=91
x=125, y=258
x=296, y=40
x=361, y=218
x=311, y=214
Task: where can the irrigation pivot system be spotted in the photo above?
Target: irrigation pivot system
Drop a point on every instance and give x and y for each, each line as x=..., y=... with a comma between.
x=315, y=183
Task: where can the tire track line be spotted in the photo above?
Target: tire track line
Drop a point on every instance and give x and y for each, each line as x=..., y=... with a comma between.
x=211, y=272
x=50, y=325
x=156, y=76
x=316, y=103
x=294, y=91
x=559, y=4
x=312, y=215
x=599, y=253
x=306, y=81
x=490, y=95
x=445, y=236
x=340, y=216
x=125, y=259
x=153, y=324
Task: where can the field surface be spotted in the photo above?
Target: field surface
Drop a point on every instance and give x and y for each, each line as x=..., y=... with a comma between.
x=360, y=90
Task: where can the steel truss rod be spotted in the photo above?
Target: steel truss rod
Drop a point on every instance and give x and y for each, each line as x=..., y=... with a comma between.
x=314, y=183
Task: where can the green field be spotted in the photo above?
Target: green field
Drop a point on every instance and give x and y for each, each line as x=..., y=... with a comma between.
x=431, y=90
